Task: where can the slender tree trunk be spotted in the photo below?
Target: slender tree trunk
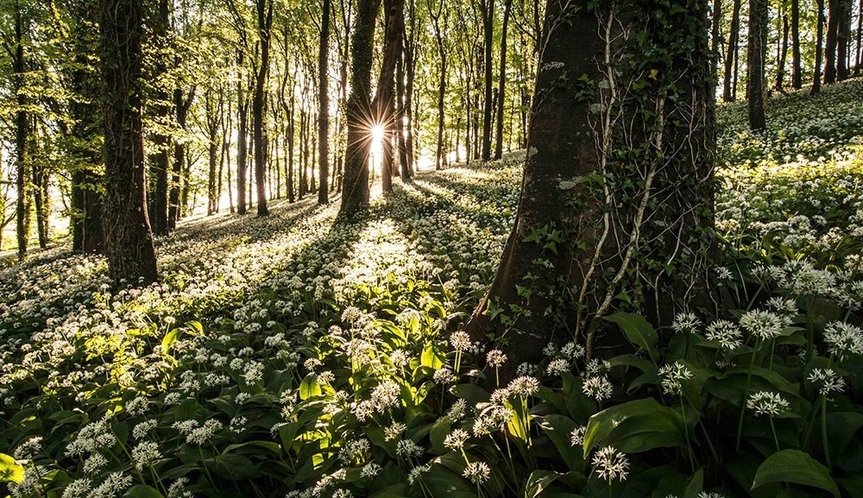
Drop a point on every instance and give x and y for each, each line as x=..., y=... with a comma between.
x=259, y=104
x=859, y=58
x=783, y=54
x=355, y=194
x=757, y=49
x=435, y=16
x=40, y=202
x=831, y=40
x=181, y=106
x=22, y=135
x=407, y=111
x=128, y=239
x=487, y=7
x=385, y=94
x=324, y=106
x=731, y=55
x=501, y=89
x=819, y=53
x=242, y=142
x=796, y=68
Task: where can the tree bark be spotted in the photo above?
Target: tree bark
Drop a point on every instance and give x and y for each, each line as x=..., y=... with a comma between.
x=756, y=51
x=731, y=55
x=615, y=178
x=161, y=111
x=22, y=134
x=843, y=39
x=242, y=141
x=834, y=8
x=259, y=105
x=783, y=54
x=181, y=106
x=385, y=94
x=355, y=192
x=487, y=8
x=501, y=82
x=819, y=52
x=128, y=239
x=796, y=68
x=436, y=16
x=324, y=106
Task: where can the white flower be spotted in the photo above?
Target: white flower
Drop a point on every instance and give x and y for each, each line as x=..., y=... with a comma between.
x=178, y=489
x=477, y=472
x=201, y=435
x=725, y=333
x=456, y=439
x=557, y=367
x=764, y=325
x=828, y=379
x=524, y=386
x=495, y=358
x=685, y=322
x=77, y=488
x=767, y=403
x=94, y=463
x=370, y=470
x=140, y=430
x=394, y=431
x=460, y=341
x=408, y=448
x=114, y=485
x=672, y=376
x=137, y=406
x=597, y=387
x=443, y=375
x=386, y=396
x=417, y=472
x=843, y=338
x=610, y=464
x=576, y=437
x=145, y=454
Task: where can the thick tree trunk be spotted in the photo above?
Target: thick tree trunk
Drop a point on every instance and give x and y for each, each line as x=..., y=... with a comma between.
x=324, y=106
x=797, y=67
x=128, y=239
x=756, y=52
x=834, y=8
x=501, y=82
x=843, y=39
x=731, y=55
x=487, y=8
x=355, y=194
x=597, y=204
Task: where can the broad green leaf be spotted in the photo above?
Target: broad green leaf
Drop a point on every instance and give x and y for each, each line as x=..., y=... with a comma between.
x=695, y=486
x=430, y=357
x=142, y=491
x=796, y=467
x=10, y=471
x=310, y=387
x=538, y=481
x=648, y=425
x=559, y=428
x=637, y=330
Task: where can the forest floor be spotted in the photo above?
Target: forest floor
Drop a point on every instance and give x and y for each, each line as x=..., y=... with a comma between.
x=293, y=353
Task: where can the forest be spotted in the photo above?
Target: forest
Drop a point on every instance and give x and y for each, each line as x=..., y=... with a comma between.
x=431, y=248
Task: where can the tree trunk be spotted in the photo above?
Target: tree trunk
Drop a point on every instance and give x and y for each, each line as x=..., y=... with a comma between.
x=385, y=94
x=355, y=192
x=435, y=16
x=731, y=55
x=819, y=53
x=843, y=39
x=128, y=239
x=181, y=106
x=160, y=113
x=783, y=54
x=796, y=68
x=259, y=104
x=41, y=202
x=613, y=180
x=859, y=58
x=834, y=8
x=242, y=142
x=22, y=135
x=487, y=8
x=756, y=51
x=324, y=106
x=501, y=88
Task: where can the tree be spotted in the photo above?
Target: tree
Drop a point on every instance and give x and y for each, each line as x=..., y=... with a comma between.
x=384, y=103
x=501, y=88
x=756, y=50
x=819, y=47
x=487, y=9
x=616, y=209
x=324, y=105
x=796, y=67
x=728, y=90
x=128, y=238
x=355, y=189
x=834, y=10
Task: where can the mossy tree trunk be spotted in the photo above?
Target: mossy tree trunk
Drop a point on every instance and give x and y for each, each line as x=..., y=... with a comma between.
x=128, y=238
x=616, y=208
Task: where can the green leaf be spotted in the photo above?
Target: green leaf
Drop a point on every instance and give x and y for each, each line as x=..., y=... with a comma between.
x=431, y=357
x=637, y=330
x=10, y=471
x=310, y=387
x=559, y=428
x=695, y=486
x=142, y=491
x=635, y=426
x=796, y=467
